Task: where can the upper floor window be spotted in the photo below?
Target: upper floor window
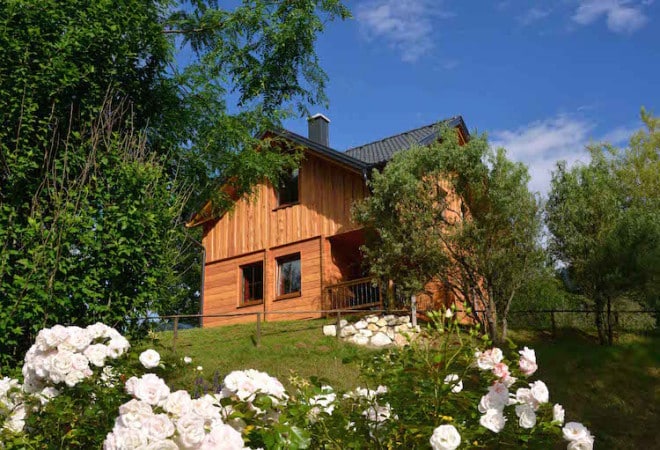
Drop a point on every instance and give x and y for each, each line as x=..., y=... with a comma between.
x=287, y=193
x=252, y=283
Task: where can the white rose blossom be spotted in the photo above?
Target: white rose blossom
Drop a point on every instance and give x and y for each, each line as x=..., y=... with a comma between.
x=574, y=431
x=585, y=443
x=493, y=419
x=96, y=354
x=558, y=414
x=150, y=359
x=149, y=388
x=497, y=398
x=526, y=416
x=445, y=437
x=487, y=360
x=540, y=391
x=527, y=362
x=159, y=427
x=223, y=437
x=178, y=403
x=191, y=431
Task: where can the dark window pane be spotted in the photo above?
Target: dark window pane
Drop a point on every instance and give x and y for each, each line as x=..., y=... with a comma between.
x=289, y=274
x=253, y=282
x=288, y=190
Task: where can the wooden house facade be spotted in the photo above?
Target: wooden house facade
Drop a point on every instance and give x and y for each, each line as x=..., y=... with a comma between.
x=278, y=250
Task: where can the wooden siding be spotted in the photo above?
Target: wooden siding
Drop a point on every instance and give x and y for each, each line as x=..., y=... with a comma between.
x=310, y=287
x=222, y=293
x=326, y=194
x=223, y=280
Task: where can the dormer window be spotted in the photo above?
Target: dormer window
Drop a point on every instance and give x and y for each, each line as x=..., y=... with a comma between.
x=287, y=193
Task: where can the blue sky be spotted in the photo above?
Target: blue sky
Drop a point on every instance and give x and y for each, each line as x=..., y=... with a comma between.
x=542, y=78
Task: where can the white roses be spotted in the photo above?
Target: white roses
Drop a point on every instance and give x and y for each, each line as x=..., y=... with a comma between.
x=578, y=436
x=445, y=437
x=527, y=362
x=149, y=359
x=158, y=419
x=63, y=354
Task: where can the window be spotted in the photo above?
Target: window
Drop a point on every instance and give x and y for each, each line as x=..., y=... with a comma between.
x=288, y=275
x=252, y=286
x=288, y=190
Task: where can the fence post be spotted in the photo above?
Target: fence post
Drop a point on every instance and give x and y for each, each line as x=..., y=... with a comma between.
x=258, y=338
x=175, y=333
x=413, y=310
x=338, y=327
x=554, y=323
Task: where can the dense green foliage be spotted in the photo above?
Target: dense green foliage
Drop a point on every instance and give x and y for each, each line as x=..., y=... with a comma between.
x=604, y=218
x=117, y=119
x=483, y=249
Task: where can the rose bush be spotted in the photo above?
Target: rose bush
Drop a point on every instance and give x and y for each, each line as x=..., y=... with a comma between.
x=82, y=388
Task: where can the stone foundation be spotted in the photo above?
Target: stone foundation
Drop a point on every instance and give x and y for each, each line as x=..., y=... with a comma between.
x=375, y=331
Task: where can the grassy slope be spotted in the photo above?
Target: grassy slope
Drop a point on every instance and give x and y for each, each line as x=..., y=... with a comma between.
x=615, y=391
x=286, y=347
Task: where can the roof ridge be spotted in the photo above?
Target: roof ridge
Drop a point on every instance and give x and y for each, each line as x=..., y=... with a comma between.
x=401, y=134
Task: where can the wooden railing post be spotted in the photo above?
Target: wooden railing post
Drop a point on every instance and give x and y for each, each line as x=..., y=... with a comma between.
x=338, y=327
x=413, y=310
x=175, y=333
x=554, y=323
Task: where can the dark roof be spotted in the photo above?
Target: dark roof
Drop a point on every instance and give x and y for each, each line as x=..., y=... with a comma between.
x=323, y=150
x=379, y=152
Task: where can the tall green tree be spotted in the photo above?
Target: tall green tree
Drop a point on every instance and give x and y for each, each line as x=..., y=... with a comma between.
x=460, y=214
x=604, y=219
x=117, y=118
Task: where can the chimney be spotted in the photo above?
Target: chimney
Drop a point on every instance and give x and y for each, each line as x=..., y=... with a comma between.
x=317, y=126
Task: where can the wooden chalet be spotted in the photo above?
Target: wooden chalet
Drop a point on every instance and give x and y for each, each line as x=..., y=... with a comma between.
x=294, y=248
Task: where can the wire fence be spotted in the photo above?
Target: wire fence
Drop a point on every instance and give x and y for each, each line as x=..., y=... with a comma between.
x=551, y=320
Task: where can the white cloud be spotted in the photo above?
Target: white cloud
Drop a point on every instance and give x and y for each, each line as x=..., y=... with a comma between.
x=622, y=16
x=533, y=15
x=542, y=143
x=405, y=25
x=619, y=136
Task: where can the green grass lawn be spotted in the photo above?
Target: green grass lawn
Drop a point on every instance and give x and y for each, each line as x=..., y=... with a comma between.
x=286, y=348
x=615, y=391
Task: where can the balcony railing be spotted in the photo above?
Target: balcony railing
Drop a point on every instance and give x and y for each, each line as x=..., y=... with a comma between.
x=362, y=293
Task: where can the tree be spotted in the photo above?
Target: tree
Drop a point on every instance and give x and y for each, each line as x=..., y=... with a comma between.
x=103, y=138
x=460, y=214
x=604, y=219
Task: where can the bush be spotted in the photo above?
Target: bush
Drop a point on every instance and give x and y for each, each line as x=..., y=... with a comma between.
x=82, y=388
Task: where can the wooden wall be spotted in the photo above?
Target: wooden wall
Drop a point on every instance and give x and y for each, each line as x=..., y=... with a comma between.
x=326, y=193
x=223, y=280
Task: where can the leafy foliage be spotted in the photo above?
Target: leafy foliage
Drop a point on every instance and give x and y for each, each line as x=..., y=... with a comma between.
x=460, y=214
x=605, y=222
x=105, y=146
x=97, y=241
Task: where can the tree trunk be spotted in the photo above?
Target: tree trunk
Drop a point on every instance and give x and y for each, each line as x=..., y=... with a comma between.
x=492, y=325
x=505, y=328
x=600, y=326
x=610, y=332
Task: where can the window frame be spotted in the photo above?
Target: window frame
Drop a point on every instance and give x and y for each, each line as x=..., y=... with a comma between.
x=241, y=286
x=280, y=261
x=287, y=183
